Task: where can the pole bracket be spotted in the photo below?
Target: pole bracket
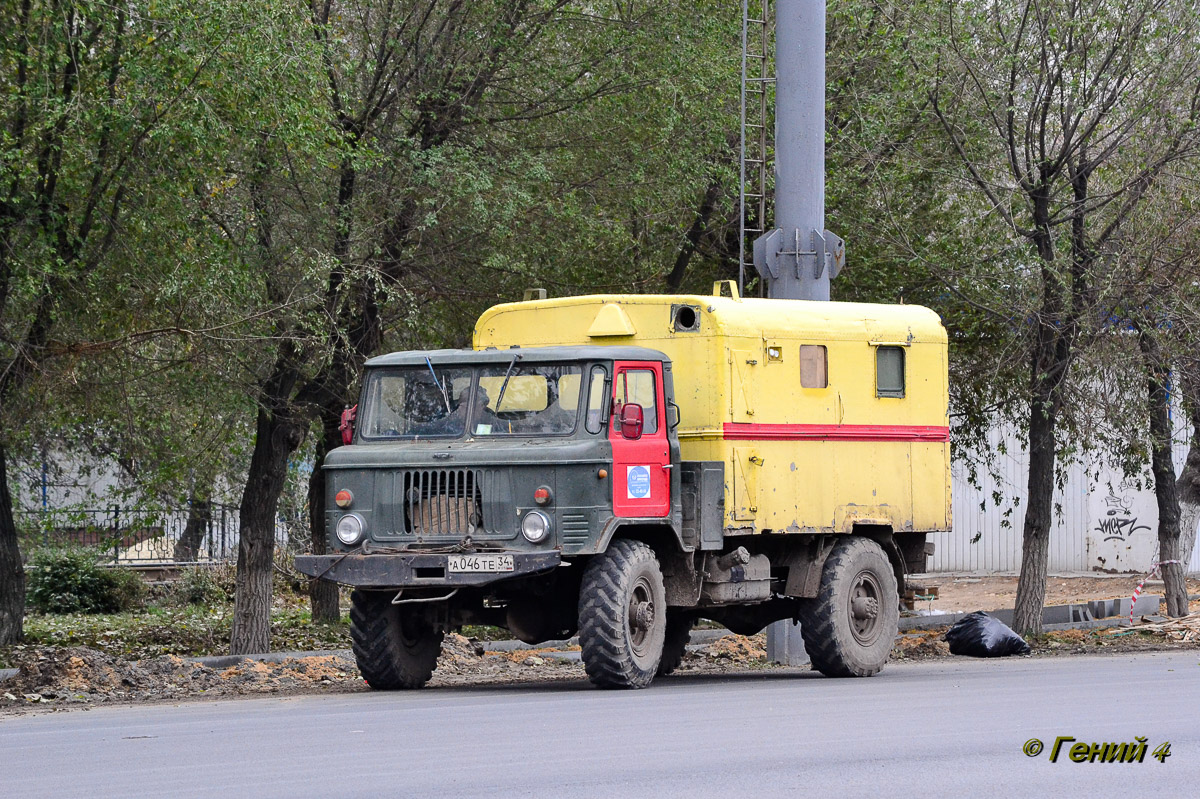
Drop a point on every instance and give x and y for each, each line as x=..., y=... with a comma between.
x=822, y=251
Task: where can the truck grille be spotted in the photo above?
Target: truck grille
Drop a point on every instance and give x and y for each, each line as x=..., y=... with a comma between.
x=443, y=501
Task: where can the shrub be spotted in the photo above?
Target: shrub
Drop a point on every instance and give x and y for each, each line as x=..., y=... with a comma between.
x=129, y=590
x=199, y=586
x=69, y=580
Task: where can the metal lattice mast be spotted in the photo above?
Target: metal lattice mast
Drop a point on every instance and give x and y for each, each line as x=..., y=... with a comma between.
x=755, y=148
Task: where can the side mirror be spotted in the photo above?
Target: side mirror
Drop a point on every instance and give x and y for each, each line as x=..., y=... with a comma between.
x=347, y=425
x=632, y=420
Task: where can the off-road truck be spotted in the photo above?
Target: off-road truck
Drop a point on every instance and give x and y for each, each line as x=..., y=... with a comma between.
x=622, y=466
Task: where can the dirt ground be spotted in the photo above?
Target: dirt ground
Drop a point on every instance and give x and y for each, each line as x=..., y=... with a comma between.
x=54, y=678
x=990, y=592
x=59, y=678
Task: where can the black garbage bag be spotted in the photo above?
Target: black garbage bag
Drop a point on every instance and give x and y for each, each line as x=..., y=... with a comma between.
x=980, y=636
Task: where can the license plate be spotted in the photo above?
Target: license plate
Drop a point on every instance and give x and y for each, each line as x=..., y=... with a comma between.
x=480, y=563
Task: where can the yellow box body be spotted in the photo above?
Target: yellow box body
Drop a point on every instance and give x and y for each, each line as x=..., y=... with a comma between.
x=796, y=459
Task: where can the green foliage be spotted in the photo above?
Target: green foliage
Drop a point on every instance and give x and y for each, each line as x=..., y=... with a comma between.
x=186, y=631
x=203, y=586
x=70, y=580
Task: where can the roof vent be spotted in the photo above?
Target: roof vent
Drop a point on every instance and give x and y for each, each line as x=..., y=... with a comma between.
x=611, y=321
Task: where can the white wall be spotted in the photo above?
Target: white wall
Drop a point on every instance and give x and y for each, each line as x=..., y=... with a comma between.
x=1103, y=522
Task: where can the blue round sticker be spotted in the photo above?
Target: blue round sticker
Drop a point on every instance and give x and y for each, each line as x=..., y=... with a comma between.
x=638, y=482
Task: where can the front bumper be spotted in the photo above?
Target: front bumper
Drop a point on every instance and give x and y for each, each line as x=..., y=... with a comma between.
x=401, y=571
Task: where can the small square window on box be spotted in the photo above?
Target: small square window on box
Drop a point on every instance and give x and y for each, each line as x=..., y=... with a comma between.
x=814, y=366
x=889, y=372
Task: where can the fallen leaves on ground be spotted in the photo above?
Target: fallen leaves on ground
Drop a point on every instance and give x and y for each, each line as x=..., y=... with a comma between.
x=75, y=675
x=55, y=677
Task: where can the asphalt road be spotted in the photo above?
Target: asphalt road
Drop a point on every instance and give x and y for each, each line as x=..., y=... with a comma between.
x=947, y=728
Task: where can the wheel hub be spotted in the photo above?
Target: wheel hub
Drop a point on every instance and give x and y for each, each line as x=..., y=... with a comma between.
x=864, y=607
x=865, y=595
x=643, y=615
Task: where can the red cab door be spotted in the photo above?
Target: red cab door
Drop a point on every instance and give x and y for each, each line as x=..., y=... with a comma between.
x=641, y=476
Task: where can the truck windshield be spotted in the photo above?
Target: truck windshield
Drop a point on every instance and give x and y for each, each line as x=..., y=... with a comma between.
x=410, y=402
x=538, y=399
x=436, y=401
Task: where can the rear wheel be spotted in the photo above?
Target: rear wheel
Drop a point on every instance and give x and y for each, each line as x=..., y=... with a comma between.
x=850, y=627
x=395, y=646
x=622, y=616
x=678, y=633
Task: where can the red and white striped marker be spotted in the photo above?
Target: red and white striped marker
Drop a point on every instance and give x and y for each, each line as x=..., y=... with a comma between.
x=1138, y=591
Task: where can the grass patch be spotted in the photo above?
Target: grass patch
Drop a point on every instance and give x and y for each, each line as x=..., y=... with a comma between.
x=187, y=631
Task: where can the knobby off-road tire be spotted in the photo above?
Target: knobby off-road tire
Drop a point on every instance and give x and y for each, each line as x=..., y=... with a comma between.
x=622, y=616
x=850, y=627
x=396, y=647
x=678, y=633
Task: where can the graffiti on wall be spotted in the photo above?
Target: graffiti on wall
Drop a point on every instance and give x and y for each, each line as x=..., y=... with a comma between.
x=1118, y=522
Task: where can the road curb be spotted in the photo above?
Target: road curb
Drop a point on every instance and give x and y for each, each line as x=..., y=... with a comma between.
x=945, y=620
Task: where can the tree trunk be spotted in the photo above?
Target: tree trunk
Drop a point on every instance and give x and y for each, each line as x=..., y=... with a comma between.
x=323, y=594
x=1031, y=586
x=12, y=572
x=1174, y=585
x=187, y=548
x=277, y=436
x=691, y=239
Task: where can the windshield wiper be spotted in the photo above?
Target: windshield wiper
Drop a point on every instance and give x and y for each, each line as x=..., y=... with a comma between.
x=507, y=375
x=441, y=386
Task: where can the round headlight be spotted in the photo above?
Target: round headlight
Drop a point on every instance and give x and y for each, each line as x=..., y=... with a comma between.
x=535, y=526
x=349, y=528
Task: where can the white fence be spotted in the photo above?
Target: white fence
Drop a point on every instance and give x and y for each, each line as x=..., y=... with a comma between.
x=1102, y=522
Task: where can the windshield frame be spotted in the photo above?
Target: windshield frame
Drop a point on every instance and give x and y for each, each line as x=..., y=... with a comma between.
x=370, y=396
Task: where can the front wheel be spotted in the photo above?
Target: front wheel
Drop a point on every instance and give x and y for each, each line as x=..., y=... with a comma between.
x=622, y=616
x=850, y=627
x=395, y=646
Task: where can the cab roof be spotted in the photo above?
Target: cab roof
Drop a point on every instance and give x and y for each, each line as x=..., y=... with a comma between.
x=528, y=355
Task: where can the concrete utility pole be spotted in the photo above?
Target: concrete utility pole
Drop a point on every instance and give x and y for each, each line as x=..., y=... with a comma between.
x=799, y=257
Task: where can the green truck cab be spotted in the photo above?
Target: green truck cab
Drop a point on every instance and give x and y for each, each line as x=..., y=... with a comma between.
x=477, y=488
